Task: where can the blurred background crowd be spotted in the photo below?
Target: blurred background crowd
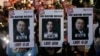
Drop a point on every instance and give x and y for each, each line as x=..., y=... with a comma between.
x=38, y=5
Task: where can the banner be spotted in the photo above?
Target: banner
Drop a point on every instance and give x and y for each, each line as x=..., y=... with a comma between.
x=21, y=28
x=80, y=24
x=51, y=28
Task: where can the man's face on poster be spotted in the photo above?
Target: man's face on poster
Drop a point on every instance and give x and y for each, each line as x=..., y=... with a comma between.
x=79, y=24
x=49, y=26
x=20, y=26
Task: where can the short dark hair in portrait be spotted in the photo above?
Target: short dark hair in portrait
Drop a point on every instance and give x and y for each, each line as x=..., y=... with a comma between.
x=80, y=28
x=21, y=31
x=51, y=29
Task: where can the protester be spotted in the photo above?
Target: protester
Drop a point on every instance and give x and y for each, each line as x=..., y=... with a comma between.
x=50, y=51
x=2, y=50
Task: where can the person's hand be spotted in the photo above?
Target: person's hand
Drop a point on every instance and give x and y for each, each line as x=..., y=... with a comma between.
x=97, y=41
x=81, y=48
x=4, y=45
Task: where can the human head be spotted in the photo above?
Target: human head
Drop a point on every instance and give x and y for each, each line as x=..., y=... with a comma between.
x=20, y=26
x=79, y=24
x=49, y=26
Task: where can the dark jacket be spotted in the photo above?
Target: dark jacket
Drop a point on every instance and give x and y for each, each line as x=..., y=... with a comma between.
x=76, y=33
x=2, y=51
x=26, y=34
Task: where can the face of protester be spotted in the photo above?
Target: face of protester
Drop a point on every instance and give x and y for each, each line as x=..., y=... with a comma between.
x=79, y=24
x=20, y=26
x=49, y=26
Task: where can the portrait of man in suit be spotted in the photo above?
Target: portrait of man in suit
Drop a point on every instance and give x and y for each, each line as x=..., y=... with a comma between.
x=50, y=33
x=21, y=32
x=80, y=29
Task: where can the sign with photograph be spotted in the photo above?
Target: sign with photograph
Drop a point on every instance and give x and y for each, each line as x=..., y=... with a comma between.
x=21, y=28
x=51, y=28
x=80, y=21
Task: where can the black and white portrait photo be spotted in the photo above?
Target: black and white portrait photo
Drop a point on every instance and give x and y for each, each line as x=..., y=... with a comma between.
x=79, y=28
x=21, y=31
x=50, y=29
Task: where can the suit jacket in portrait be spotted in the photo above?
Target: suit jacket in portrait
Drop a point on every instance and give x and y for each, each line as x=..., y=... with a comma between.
x=51, y=36
x=21, y=37
x=80, y=35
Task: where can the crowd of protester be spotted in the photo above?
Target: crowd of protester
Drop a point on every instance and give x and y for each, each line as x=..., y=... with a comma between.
x=65, y=50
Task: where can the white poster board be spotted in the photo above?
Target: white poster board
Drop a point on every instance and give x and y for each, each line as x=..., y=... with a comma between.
x=80, y=26
x=51, y=28
x=21, y=29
